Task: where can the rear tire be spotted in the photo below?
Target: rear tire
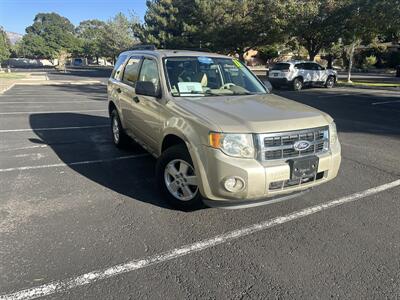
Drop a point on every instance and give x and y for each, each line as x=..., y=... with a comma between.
x=176, y=178
x=330, y=82
x=120, y=139
x=297, y=84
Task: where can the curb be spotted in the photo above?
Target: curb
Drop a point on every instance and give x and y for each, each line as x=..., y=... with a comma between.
x=396, y=89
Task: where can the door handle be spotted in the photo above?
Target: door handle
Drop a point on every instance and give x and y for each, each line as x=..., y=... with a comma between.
x=119, y=91
x=136, y=99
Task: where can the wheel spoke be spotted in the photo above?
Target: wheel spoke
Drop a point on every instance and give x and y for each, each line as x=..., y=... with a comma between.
x=172, y=170
x=186, y=191
x=174, y=186
x=191, y=180
x=183, y=168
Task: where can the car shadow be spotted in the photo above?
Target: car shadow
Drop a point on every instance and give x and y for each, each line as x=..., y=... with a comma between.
x=133, y=177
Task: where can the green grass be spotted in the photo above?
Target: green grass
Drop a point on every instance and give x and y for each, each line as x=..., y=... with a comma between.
x=11, y=76
x=371, y=84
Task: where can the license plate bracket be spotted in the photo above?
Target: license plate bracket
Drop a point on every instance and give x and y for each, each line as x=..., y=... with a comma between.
x=303, y=167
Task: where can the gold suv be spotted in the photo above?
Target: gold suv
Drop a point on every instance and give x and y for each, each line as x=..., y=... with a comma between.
x=218, y=134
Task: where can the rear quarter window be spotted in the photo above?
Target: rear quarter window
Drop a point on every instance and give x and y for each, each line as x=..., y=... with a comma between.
x=118, y=66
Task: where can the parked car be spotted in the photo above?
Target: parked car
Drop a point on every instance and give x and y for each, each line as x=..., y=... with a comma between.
x=296, y=74
x=218, y=134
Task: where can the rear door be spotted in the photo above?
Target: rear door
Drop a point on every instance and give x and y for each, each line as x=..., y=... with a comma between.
x=310, y=73
x=322, y=73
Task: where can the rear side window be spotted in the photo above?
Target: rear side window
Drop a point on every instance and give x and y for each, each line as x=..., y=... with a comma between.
x=118, y=67
x=299, y=66
x=309, y=66
x=131, y=71
x=281, y=67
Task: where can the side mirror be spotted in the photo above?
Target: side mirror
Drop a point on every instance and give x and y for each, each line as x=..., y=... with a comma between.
x=147, y=88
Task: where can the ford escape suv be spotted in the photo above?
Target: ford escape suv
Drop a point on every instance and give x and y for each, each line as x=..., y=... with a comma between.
x=218, y=134
x=297, y=74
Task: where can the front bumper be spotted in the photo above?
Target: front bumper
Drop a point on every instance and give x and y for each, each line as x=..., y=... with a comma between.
x=214, y=167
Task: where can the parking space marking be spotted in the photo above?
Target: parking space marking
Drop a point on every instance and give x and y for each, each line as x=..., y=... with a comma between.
x=50, y=112
x=51, y=102
x=77, y=163
x=23, y=148
x=136, y=264
x=52, y=128
x=385, y=102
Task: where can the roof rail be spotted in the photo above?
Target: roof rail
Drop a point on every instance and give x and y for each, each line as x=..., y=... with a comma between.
x=144, y=47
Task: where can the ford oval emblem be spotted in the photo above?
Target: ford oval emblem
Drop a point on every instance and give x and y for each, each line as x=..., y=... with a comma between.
x=301, y=145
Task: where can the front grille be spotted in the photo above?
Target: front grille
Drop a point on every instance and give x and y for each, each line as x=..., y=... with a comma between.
x=281, y=145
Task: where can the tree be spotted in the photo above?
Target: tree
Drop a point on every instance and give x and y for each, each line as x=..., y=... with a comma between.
x=236, y=26
x=118, y=35
x=169, y=24
x=5, y=46
x=316, y=24
x=361, y=24
x=34, y=46
x=53, y=32
x=91, y=33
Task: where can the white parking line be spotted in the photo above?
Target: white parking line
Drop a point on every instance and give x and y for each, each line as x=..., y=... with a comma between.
x=23, y=148
x=50, y=112
x=77, y=163
x=52, y=128
x=94, y=276
x=385, y=102
x=51, y=102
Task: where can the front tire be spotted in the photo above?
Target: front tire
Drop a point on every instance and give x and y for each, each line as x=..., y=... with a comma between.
x=297, y=84
x=330, y=82
x=176, y=178
x=119, y=136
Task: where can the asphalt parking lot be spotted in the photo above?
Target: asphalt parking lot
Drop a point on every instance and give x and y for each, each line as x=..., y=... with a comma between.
x=80, y=219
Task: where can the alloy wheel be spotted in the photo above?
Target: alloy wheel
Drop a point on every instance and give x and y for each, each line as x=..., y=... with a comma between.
x=181, y=180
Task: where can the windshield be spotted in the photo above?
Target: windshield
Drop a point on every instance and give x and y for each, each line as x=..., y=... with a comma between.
x=210, y=76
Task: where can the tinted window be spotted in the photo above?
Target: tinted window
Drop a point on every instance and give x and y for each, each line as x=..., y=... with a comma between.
x=149, y=72
x=118, y=66
x=281, y=66
x=318, y=67
x=309, y=66
x=299, y=66
x=131, y=71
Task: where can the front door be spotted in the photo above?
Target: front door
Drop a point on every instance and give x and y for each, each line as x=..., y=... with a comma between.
x=146, y=109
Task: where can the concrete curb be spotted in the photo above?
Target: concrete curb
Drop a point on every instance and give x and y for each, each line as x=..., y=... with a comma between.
x=396, y=89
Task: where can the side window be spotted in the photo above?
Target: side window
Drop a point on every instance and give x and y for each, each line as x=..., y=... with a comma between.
x=118, y=67
x=308, y=66
x=318, y=67
x=131, y=71
x=299, y=66
x=149, y=72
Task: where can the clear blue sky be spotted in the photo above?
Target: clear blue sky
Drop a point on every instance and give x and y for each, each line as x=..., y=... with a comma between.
x=16, y=15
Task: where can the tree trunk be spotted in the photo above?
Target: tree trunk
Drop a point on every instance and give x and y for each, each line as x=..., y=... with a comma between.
x=241, y=55
x=312, y=55
x=330, y=61
x=351, y=58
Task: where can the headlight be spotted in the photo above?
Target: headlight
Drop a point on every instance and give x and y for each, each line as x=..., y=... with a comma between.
x=232, y=144
x=333, y=133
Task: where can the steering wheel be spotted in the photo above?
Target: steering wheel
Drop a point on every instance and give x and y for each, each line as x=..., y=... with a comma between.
x=227, y=86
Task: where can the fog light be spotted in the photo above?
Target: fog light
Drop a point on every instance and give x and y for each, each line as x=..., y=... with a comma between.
x=233, y=184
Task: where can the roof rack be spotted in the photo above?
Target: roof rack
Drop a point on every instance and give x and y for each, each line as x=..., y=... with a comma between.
x=144, y=47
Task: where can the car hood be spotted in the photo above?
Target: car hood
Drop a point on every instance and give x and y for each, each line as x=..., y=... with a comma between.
x=254, y=113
